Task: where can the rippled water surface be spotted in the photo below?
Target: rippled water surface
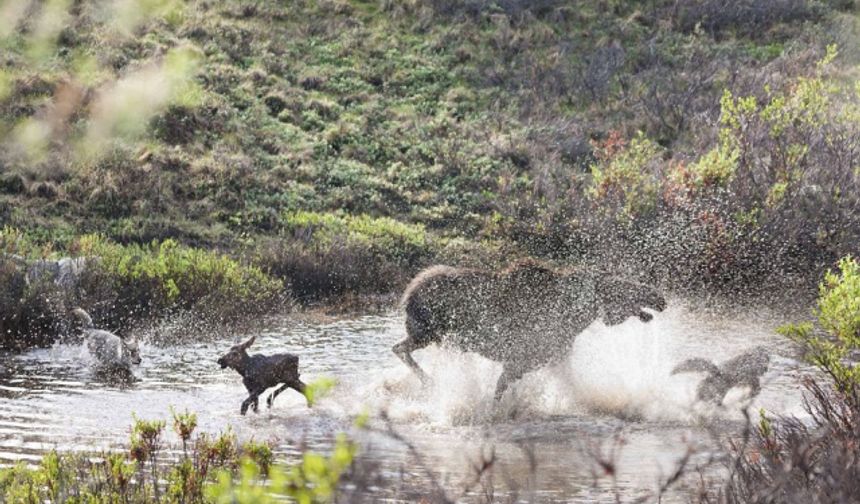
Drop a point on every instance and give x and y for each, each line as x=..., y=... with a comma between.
x=614, y=392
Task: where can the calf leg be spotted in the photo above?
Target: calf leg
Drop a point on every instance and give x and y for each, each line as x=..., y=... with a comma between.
x=274, y=394
x=299, y=387
x=509, y=374
x=252, y=400
x=293, y=384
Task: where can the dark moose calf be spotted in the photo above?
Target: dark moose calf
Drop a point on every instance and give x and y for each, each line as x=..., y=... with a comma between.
x=260, y=372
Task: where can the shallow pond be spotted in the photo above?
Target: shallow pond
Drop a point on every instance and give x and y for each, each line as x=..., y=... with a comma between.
x=613, y=394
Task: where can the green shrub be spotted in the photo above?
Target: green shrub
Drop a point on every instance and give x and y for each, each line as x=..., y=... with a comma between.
x=214, y=469
x=813, y=459
x=167, y=276
x=838, y=313
x=124, y=285
x=839, y=304
x=404, y=243
x=314, y=479
x=718, y=166
x=329, y=271
x=626, y=174
x=16, y=242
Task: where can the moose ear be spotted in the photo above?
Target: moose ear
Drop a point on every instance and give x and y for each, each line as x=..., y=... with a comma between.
x=248, y=343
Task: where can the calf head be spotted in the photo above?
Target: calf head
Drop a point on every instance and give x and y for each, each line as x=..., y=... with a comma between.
x=621, y=299
x=237, y=356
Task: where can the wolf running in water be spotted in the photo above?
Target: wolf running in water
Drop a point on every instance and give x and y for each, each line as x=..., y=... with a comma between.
x=744, y=370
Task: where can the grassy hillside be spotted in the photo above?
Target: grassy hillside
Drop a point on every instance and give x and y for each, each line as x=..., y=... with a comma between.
x=303, y=135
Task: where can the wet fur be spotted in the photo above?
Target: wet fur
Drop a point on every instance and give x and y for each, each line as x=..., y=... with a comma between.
x=524, y=317
x=261, y=372
x=112, y=353
x=744, y=370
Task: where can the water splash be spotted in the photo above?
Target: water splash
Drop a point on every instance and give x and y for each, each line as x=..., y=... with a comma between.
x=622, y=371
x=613, y=375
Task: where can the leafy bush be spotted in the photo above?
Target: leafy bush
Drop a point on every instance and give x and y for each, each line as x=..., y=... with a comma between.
x=122, y=285
x=14, y=242
x=314, y=479
x=210, y=469
x=787, y=165
x=838, y=314
x=626, y=175
x=394, y=240
x=166, y=276
x=332, y=255
x=812, y=460
x=330, y=271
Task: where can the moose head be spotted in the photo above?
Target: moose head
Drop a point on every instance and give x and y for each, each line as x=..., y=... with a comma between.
x=237, y=356
x=621, y=299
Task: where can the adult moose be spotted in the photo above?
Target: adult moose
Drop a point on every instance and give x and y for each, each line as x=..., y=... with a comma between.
x=524, y=317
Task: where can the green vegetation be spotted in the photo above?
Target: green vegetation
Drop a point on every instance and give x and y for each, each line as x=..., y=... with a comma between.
x=326, y=254
x=812, y=460
x=314, y=479
x=838, y=315
x=211, y=469
x=168, y=276
x=386, y=237
x=340, y=145
x=626, y=172
x=124, y=284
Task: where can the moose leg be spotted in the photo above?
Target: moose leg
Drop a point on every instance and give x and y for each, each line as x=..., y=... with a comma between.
x=245, y=404
x=293, y=384
x=274, y=394
x=252, y=400
x=509, y=374
x=404, y=350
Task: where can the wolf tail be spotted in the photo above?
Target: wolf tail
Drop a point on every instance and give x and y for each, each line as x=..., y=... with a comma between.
x=696, y=365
